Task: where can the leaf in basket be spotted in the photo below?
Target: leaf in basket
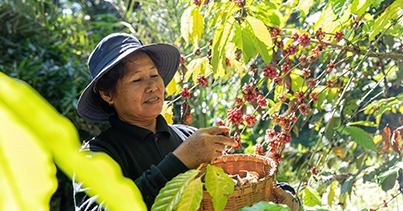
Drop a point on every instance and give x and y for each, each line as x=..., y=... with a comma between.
x=192, y=196
x=218, y=184
x=170, y=194
x=266, y=206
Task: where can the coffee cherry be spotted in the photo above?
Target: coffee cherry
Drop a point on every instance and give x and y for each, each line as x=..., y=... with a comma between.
x=250, y=119
x=271, y=133
x=270, y=71
x=182, y=60
x=274, y=31
x=261, y=101
x=258, y=149
x=339, y=36
x=319, y=34
x=238, y=102
x=314, y=97
x=185, y=93
x=234, y=116
x=249, y=93
x=304, y=40
x=295, y=37
x=202, y=80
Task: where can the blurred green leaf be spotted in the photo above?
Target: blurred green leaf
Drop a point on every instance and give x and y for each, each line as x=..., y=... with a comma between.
x=361, y=137
x=266, y=206
x=311, y=197
x=54, y=135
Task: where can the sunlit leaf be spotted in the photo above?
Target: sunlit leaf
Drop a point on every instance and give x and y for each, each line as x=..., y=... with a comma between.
x=383, y=21
x=311, y=197
x=167, y=113
x=192, y=196
x=218, y=184
x=192, y=25
x=304, y=6
x=262, y=41
x=23, y=154
x=169, y=196
x=359, y=7
x=361, y=137
x=332, y=193
x=57, y=135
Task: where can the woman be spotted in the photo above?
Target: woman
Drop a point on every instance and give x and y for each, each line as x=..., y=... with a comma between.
x=127, y=90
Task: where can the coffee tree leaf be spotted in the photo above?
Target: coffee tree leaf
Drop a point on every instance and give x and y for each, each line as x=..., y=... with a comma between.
x=192, y=196
x=170, y=195
x=346, y=186
x=262, y=42
x=333, y=124
x=311, y=197
x=167, y=113
x=383, y=21
x=243, y=40
x=304, y=6
x=332, y=193
x=218, y=184
x=192, y=25
x=400, y=180
x=266, y=206
x=359, y=7
x=388, y=179
x=361, y=137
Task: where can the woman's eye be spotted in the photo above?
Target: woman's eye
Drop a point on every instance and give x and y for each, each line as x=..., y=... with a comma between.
x=155, y=76
x=136, y=80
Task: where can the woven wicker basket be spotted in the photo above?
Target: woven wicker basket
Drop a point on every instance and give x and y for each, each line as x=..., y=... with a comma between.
x=248, y=194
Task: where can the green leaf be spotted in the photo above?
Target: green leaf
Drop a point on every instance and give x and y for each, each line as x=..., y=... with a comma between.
x=263, y=41
x=218, y=184
x=304, y=6
x=192, y=196
x=383, y=21
x=192, y=25
x=265, y=206
x=359, y=7
x=169, y=196
x=347, y=186
x=311, y=197
x=243, y=40
x=388, y=179
x=361, y=137
x=331, y=126
x=51, y=134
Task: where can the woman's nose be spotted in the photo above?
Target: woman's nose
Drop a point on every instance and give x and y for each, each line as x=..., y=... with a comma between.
x=151, y=86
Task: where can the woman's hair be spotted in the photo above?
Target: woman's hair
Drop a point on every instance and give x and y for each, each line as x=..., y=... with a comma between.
x=107, y=83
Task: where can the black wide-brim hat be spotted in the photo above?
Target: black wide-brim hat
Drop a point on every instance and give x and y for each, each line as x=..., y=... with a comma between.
x=109, y=52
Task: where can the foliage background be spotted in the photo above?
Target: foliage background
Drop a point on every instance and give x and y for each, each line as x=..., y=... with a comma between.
x=47, y=43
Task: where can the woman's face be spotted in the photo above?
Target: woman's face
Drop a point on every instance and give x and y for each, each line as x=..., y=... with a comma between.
x=139, y=95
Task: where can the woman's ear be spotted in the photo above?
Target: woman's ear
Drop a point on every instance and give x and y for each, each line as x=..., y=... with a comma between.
x=107, y=96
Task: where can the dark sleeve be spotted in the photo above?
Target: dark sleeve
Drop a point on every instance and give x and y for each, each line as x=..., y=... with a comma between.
x=152, y=180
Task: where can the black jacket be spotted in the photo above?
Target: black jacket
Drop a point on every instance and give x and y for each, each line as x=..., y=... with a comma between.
x=143, y=156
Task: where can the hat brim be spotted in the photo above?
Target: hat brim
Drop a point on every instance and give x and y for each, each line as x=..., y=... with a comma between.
x=89, y=104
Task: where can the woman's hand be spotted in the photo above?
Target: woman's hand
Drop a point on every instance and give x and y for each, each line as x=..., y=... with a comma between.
x=204, y=145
